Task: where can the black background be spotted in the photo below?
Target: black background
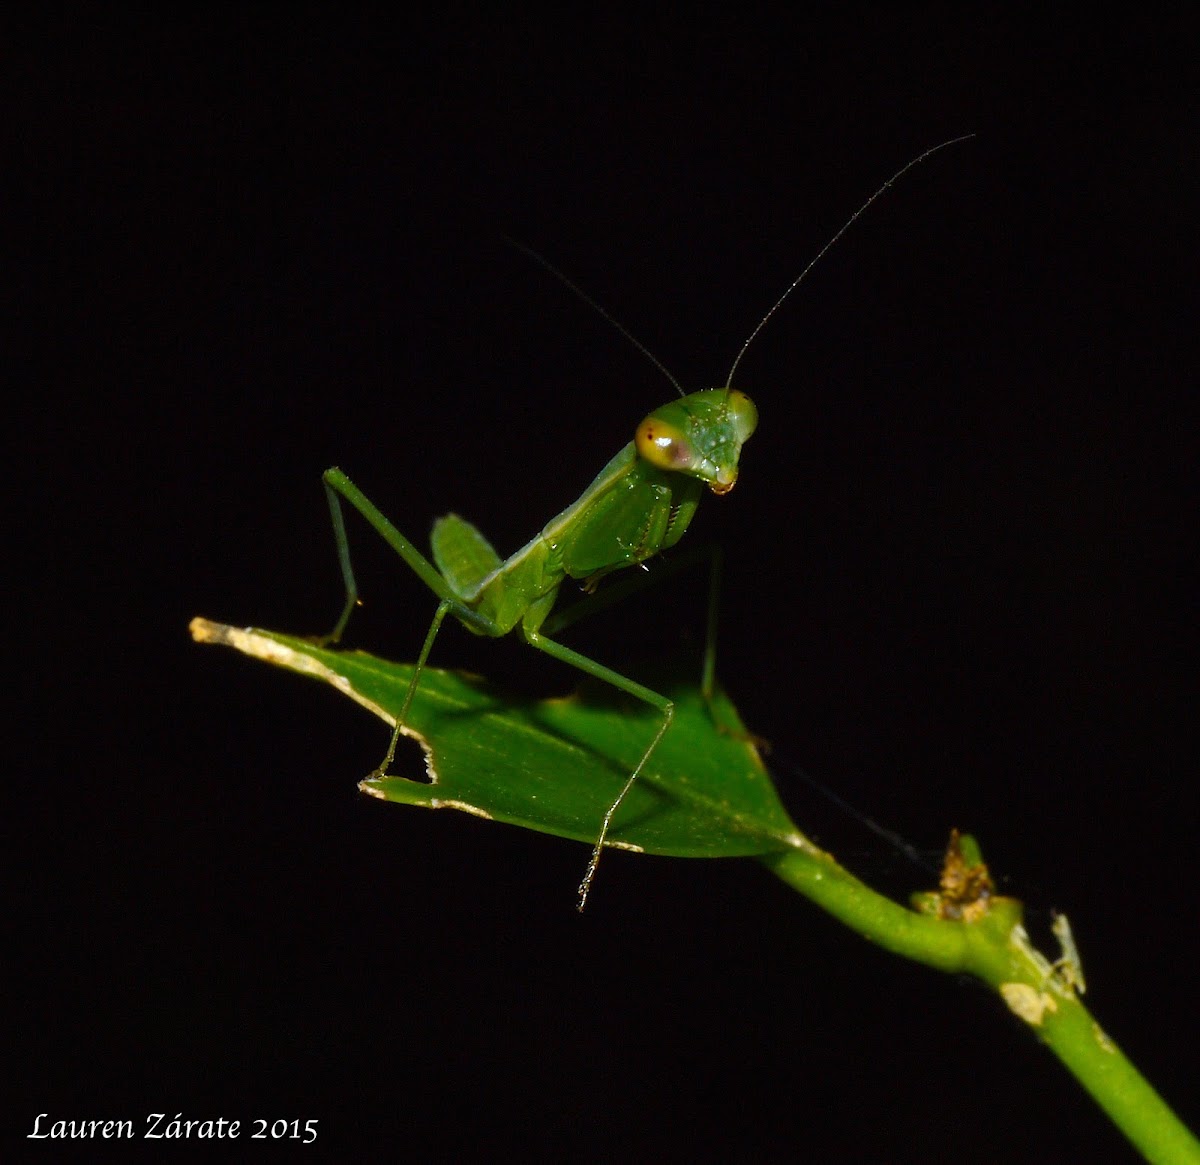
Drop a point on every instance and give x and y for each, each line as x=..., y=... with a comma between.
x=957, y=591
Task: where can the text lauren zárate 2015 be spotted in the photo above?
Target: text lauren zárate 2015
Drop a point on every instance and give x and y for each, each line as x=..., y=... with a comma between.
x=161, y=1126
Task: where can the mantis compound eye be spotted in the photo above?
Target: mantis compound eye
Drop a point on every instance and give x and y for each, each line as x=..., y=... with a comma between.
x=742, y=414
x=663, y=445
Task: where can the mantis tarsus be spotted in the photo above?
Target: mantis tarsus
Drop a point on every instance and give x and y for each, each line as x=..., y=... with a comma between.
x=640, y=503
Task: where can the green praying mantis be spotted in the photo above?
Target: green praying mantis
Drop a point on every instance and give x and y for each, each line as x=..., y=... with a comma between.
x=639, y=505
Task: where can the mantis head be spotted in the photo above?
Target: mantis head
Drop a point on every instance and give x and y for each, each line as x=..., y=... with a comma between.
x=700, y=434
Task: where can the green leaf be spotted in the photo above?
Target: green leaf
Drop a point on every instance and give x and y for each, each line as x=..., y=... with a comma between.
x=556, y=765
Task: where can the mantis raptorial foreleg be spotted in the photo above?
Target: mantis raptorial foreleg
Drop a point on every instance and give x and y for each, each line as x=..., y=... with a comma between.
x=338, y=486
x=337, y=483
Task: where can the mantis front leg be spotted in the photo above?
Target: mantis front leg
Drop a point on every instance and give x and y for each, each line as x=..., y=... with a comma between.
x=338, y=486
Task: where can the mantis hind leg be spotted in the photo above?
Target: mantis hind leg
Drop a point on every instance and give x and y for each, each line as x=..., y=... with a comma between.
x=662, y=704
x=664, y=569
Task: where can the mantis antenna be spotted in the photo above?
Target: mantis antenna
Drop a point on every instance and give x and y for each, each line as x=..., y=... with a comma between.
x=821, y=253
x=544, y=262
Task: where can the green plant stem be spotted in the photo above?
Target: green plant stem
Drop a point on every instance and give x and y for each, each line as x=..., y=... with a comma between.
x=995, y=949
